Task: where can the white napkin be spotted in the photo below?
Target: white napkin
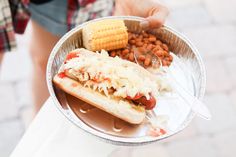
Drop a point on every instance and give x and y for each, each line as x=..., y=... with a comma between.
x=51, y=134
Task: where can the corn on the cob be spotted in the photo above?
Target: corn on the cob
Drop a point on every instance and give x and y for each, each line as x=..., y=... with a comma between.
x=107, y=34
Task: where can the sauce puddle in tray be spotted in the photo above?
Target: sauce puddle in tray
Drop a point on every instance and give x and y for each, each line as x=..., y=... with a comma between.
x=103, y=121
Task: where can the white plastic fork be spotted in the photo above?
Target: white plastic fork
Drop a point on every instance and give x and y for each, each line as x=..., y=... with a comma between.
x=195, y=104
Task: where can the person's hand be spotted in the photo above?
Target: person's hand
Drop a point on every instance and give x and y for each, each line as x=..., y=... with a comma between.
x=154, y=12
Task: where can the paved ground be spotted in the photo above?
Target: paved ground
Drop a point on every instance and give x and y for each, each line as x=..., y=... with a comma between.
x=211, y=25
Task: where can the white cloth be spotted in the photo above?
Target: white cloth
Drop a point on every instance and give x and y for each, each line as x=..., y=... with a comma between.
x=51, y=134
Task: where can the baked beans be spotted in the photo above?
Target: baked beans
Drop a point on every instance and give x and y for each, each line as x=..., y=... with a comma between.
x=145, y=47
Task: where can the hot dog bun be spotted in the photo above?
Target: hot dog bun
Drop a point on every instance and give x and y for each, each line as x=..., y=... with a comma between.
x=120, y=108
x=88, y=76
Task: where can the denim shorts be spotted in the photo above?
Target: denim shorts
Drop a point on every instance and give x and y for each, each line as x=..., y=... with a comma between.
x=52, y=16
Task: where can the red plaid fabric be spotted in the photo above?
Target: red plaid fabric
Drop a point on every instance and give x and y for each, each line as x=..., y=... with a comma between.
x=14, y=17
x=20, y=15
x=7, y=37
x=80, y=11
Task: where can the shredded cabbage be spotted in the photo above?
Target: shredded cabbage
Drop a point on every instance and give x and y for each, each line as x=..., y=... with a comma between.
x=100, y=72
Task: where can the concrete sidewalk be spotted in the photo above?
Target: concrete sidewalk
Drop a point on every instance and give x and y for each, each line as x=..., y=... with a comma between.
x=211, y=26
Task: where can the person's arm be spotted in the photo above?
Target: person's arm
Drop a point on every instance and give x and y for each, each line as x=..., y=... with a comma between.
x=154, y=12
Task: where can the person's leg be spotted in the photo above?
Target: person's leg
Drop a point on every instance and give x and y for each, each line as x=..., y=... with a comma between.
x=1, y=58
x=41, y=45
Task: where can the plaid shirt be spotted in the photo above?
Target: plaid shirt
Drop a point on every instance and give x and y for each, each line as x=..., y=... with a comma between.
x=14, y=17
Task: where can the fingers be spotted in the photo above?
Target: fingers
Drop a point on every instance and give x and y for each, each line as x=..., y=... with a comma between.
x=156, y=18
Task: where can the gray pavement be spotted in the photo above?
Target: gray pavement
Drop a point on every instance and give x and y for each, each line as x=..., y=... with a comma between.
x=211, y=26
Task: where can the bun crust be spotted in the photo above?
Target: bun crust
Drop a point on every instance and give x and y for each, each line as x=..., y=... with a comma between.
x=120, y=108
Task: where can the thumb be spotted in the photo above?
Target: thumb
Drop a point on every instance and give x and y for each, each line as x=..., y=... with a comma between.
x=156, y=19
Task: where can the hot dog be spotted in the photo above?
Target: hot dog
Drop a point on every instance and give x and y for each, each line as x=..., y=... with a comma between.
x=119, y=87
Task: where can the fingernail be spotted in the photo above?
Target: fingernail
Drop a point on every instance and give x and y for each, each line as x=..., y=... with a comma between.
x=144, y=24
